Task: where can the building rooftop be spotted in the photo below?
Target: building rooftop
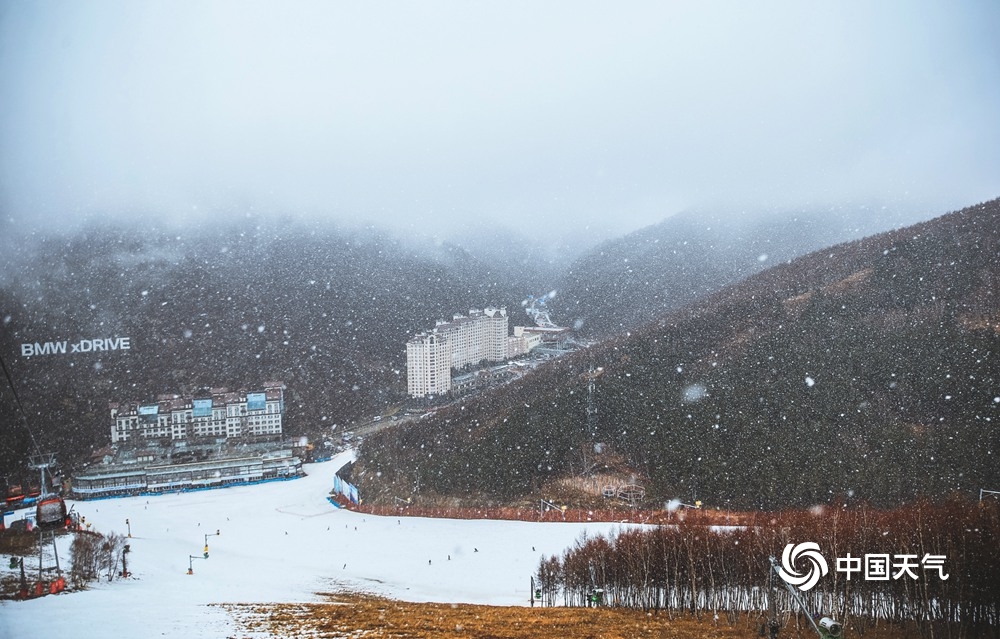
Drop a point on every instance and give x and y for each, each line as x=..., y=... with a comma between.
x=220, y=396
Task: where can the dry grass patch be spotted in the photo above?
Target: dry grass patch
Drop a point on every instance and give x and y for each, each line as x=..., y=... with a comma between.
x=366, y=616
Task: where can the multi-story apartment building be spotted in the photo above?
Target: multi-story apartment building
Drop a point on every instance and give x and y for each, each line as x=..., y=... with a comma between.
x=428, y=365
x=467, y=340
x=479, y=337
x=218, y=414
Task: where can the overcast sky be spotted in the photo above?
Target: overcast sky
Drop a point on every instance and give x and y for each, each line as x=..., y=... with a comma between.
x=534, y=114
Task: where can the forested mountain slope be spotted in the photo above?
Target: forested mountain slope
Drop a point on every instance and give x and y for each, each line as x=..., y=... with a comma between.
x=327, y=311
x=869, y=370
x=628, y=281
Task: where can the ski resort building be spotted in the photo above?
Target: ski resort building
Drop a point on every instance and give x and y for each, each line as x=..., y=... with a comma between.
x=479, y=338
x=217, y=414
x=207, y=440
x=173, y=471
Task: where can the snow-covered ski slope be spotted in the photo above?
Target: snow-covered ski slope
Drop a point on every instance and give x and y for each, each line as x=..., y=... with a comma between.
x=280, y=542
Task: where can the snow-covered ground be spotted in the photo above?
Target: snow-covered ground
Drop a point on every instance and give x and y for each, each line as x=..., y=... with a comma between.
x=280, y=542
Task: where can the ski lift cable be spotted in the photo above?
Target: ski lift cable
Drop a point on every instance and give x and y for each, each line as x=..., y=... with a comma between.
x=20, y=406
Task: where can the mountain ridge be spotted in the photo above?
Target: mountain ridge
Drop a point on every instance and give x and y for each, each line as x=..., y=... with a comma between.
x=841, y=373
x=633, y=279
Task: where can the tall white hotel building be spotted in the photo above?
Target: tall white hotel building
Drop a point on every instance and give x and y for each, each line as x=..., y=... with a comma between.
x=480, y=337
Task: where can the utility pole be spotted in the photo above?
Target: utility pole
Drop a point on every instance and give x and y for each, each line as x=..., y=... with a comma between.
x=591, y=405
x=23, y=592
x=594, y=447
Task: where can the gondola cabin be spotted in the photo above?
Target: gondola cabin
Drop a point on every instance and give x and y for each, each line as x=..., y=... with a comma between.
x=50, y=513
x=33, y=496
x=15, y=496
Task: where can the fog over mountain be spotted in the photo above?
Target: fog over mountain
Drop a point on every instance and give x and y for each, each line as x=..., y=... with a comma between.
x=627, y=281
x=551, y=119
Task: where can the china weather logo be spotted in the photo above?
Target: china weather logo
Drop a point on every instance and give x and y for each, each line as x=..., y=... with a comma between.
x=815, y=565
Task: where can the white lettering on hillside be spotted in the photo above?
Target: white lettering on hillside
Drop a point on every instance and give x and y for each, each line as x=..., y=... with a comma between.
x=34, y=349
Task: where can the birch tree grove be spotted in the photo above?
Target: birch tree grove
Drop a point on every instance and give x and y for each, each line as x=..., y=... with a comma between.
x=942, y=568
